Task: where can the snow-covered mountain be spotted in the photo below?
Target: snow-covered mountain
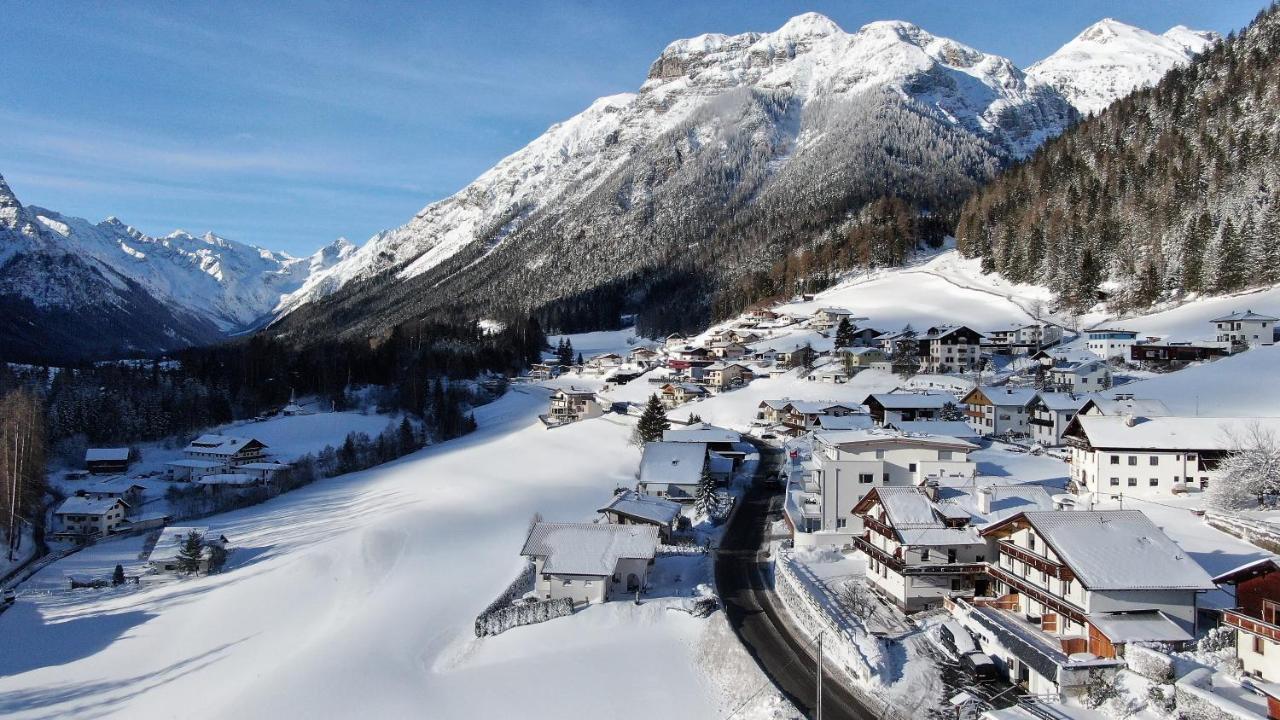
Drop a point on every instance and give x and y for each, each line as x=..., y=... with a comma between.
x=722, y=122
x=1111, y=59
x=152, y=293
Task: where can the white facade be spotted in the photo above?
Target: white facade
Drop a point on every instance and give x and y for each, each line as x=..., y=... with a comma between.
x=572, y=405
x=998, y=410
x=1248, y=328
x=86, y=517
x=1050, y=415
x=1080, y=377
x=1107, y=344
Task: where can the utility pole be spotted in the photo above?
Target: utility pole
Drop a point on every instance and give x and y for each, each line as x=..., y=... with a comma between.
x=819, y=713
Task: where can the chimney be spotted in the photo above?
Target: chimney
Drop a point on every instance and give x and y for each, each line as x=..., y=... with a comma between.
x=931, y=490
x=984, y=499
x=1130, y=420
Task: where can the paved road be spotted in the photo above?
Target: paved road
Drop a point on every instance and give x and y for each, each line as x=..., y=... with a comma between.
x=759, y=619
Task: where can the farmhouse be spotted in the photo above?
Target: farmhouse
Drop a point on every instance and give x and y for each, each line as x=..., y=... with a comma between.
x=603, y=362
x=226, y=449
x=82, y=518
x=886, y=408
x=1256, y=617
x=1151, y=456
x=1050, y=414
x=632, y=508
x=1080, y=377
x=590, y=562
x=1246, y=328
x=829, y=317
x=643, y=356
x=672, y=469
x=674, y=394
x=189, y=470
x=998, y=410
x=106, y=461
x=1058, y=587
x=726, y=375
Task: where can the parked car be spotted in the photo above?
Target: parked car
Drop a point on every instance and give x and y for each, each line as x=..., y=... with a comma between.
x=980, y=665
x=956, y=639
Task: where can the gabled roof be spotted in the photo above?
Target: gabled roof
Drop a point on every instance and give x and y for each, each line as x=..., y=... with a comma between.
x=77, y=505
x=645, y=508
x=1061, y=401
x=1001, y=396
x=833, y=311
x=677, y=463
x=950, y=428
x=269, y=465
x=574, y=392
x=222, y=444
x=1075, y=368
x=1145, y=407
x=940, y=331
x=687, y=387
x=1165, y=433
x=106, y=454
x=844, y=422
x=879, y=437
x=114, y=486
x=1245, y=316
x=1114, y=549
x=588, y=548
x=701, y=433
x=820, y=407
x=916, y=520
x=910, y=401
x=1006, y=501
x=1249, y=570
x=233, y=479
x=196, y=464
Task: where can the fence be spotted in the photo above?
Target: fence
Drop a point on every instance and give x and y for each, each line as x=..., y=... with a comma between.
x=503, y=614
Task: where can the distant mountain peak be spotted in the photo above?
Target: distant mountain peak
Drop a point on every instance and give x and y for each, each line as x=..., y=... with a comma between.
x=810, y=24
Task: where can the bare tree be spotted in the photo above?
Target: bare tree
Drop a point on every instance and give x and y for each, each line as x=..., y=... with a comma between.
x=22, y=460
x=858, y=598
x=1250, y=471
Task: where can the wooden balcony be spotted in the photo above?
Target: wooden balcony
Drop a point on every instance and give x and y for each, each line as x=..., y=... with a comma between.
x=1035, y=561
x=1023, y=587
x=880, y=528
x=885, y=558
x=1251, y=625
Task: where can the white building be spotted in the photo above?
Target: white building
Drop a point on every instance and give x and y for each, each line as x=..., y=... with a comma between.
x=829, y=317
x=1020, y=339
x=226, y=449
x=726, y=375
x=189, y=470
x=1107, y=343
x=672, y=469
x=82, y=518
x=998, y=410
x=1080, y=377
x=958, y=429
x=572, y=404
x=1151, y=456
x=590, y=562
x=1125, y=404
x=847, y=464
x=950, y=349
x=1050, y=414
x=674, y=394
x=1248, y=328
x=1068, y=590
x=164, y=556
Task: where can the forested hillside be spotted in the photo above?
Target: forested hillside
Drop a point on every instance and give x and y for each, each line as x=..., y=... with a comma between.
x=1172, y=190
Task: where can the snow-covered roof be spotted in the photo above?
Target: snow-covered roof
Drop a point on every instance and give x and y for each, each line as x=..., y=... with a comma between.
x=1245, y=316
x=844, y=422
x=1006, y=501
x=721, y=366
x=644, y=507
x=227, y=479
x=574, y=392
x=950, y=428
x=918, y=521
x=1079, y=367
x=1150, y=626
x=679, y=463
x=116, y=486
x=220, y=444
x=701, y=433
x=881, y=436
x=195, y=464
x=909, y=401
x=264, y=466
x=1005, y=396
x=818, y=407
x=1168, y=432
x=1117, y=550
x=1254, y=567
x=1061, y=401
x=171, y=540
x=588, y=548
x=688, y=388
x=833, y=311
x=941, y=331
x=1146, y=407
x=106, y=454
x=77, y=505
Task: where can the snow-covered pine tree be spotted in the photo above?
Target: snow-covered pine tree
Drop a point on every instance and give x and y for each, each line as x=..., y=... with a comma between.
x=653, y=422
x=117, y=575
x=844, y=333
x=704, y=500
x=190, y=553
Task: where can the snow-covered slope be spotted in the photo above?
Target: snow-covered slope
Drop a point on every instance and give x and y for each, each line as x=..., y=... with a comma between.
x=197, y=288
x=1111, y=59
x=786, y=92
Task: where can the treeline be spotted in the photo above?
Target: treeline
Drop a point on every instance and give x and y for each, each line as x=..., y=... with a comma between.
x=417, y=368
x=1172, y=190
x=22, y=455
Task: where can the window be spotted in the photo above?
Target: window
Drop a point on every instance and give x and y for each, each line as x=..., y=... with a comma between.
x=1155, y=459
x=1115, y=459
x=951, y=555
x=841, y=522
x=1044, y=577
x=1066, y=588
x=886, y=478
x=1115, y=482
x=1154, y=482
x=1133, y=459
x=1259, y=645
x=1133, y=482
x=866, y=478
x=944, y=455
x=911, y=467
x=1031, y=541
x=924, y=554
x=879, y=454
x=1191, y=456
x=980, y=558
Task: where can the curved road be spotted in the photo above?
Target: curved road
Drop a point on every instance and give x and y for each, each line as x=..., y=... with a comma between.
x=757, y=614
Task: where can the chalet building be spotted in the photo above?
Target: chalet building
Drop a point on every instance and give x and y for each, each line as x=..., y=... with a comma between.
x=1049, y=415
x=861, y=358
x=643, y=356
x=829, y=317
x=772, y=412
x=672, y=469
x=1108, y=343
x=886, y=408
x=164, y=556
x=265, y=471
x=998, y=410
x=1256, y=617
x=1022, y=339
x=674, y=394
x=1125, y=404
x=130, y=492
x=866, y=337
x=82, y=518
x=632, y=508
x=832, y=372
x=730, y=351
x=590, y=562
x=544, y=371
x=189, y=470
x=761, y=314
x=801, y=416
x=723, y=376
x=848, y=464
x=226, y=449
x=1246, y=328
x=1174, y=354
x=950, y=349
x=1058, y=586
x=689, y=357
x=1151, y=456
x=922, y=544
x=604, y=362
x=571, y=405
x=106, y=461
x=1079, y=377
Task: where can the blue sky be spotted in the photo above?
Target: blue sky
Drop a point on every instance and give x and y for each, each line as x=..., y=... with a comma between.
x=288, y=126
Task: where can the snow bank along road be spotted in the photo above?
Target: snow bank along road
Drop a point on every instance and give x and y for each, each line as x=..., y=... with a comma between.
x=757, y=616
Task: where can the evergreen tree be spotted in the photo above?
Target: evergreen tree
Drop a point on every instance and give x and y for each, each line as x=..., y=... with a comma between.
x=190, y=553
x=694, y=418
x=653, y=422
x=117, y=576
x=704, y=499
x=407, y=439
x=951, y=411
x=844, y=333
x=217, y=557
x=564, y=354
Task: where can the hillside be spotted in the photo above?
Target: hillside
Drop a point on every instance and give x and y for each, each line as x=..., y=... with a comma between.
x=736, y=151
x=1172, y=191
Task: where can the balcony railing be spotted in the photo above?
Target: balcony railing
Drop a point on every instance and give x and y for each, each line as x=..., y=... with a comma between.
x=1252, y=625
x=885, y=558
x=1021, y=586
x=1035, y=561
